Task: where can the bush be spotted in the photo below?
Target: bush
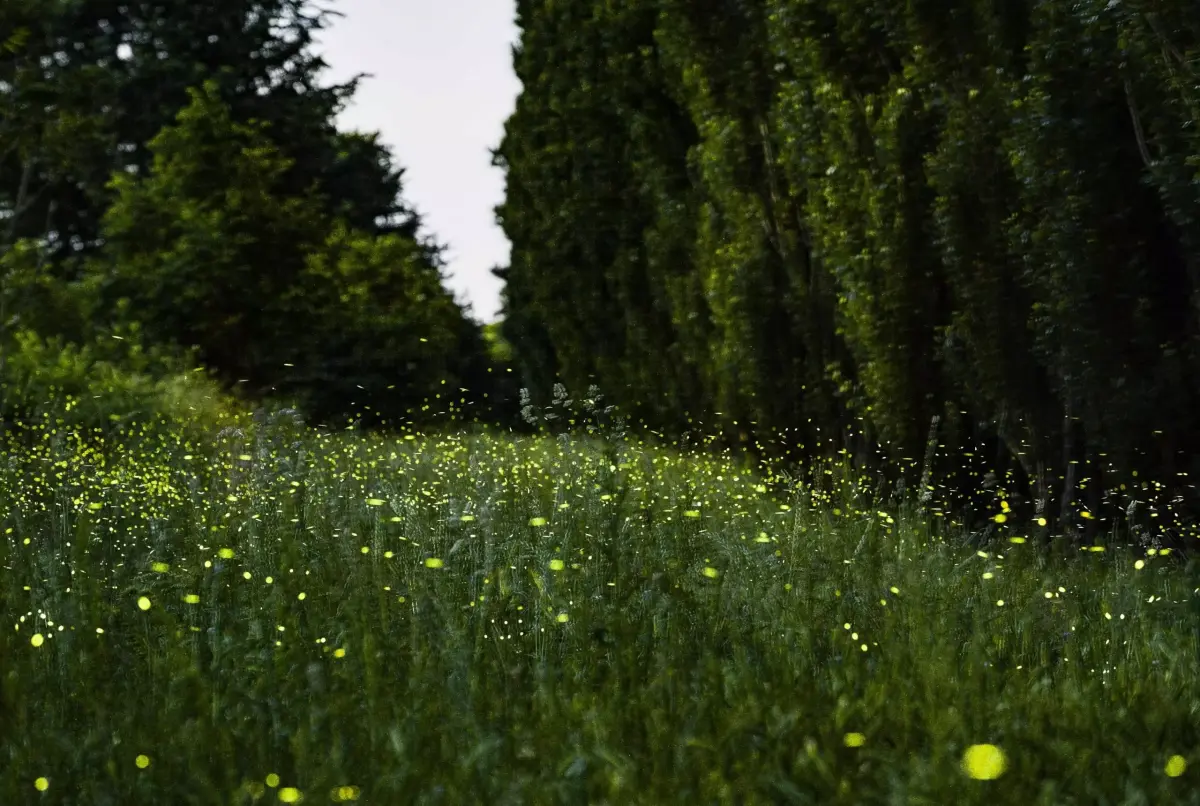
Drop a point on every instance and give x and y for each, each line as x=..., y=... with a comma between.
x=98, y=385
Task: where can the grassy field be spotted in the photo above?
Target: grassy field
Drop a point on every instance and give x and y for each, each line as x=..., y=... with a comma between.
x=275, y=615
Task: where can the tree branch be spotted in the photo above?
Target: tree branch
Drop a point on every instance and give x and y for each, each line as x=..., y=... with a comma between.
x=1137, y=126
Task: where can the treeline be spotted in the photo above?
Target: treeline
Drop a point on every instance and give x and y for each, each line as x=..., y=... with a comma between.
x=174, y=189
x=862, y=224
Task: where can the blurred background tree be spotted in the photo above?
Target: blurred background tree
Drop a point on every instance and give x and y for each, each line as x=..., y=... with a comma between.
x=177, y=167
x=866, y=223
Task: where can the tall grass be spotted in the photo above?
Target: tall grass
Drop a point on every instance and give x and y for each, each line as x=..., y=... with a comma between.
x=268, y=614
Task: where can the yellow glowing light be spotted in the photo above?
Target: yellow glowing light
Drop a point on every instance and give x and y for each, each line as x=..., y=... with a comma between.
x=984, y=762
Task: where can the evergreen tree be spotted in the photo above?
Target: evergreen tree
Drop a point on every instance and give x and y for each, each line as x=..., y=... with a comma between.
x=105, y=77
x=879, y=217
x=208, y=249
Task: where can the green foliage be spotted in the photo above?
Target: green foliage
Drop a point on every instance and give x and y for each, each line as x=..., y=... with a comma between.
x=103, y=385
x=772, y=341
x=83, y=376
x=205, y=241
x=595, y=153
x=498, y=347
x=371, y=322
x=192, y=185
x=878, y=216
x=31, y=298
x=274, y=295
x=92, y=86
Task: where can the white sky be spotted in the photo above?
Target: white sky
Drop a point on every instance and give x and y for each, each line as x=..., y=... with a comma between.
x=442, y=87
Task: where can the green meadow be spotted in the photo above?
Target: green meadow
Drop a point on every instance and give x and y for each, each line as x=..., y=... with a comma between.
x=271, y=613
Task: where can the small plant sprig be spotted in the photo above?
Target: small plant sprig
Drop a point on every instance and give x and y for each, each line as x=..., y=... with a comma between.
x=565, y=415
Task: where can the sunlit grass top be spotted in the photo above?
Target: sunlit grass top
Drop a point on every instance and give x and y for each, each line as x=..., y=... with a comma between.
x=270, y=612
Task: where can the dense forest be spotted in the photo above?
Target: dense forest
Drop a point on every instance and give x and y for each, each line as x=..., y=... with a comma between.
x=957, y=242
x=960, y=237
x=173, y=188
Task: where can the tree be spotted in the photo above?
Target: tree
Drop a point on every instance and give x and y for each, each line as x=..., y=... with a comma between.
x=206, y=244
x=595, y=154
x=104, y=77
x=208, y=249
x=876, y=216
